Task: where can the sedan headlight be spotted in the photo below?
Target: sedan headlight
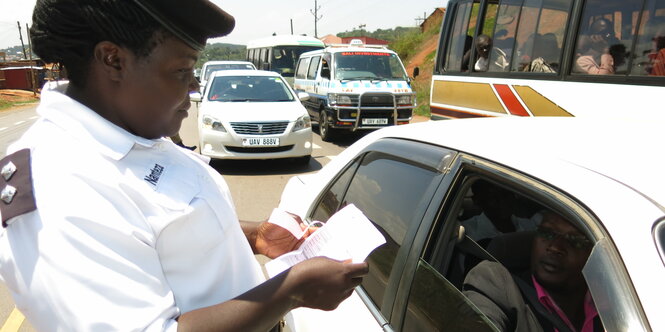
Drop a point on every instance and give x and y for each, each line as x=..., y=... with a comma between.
x=405, y=100
x=211, y=123
x=302, y=123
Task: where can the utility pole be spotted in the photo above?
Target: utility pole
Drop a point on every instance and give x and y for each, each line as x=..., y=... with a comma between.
x=317, y=17
x=420, y=20
x=32, y=65
x=20, y=36
x=361, y=28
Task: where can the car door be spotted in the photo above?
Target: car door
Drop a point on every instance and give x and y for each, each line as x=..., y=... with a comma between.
x=392, y=181
x=430, y=293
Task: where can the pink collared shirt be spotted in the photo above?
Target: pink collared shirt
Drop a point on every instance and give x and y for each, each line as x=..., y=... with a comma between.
x=590, y=311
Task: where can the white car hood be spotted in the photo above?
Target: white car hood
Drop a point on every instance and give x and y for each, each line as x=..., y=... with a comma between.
x=253, y=111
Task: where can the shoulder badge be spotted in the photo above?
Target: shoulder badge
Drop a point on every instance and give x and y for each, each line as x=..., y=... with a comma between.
x=16, y=193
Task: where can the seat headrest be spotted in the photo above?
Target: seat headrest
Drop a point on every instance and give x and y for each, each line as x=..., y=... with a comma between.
x=513, y=250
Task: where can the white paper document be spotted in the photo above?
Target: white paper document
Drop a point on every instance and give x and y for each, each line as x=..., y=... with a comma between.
x=348, y=234
x=287, y=221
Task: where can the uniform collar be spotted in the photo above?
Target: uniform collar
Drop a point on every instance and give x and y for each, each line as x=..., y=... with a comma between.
x=85, y=124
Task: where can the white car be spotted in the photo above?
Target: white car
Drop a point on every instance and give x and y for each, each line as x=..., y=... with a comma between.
x=415, y=183
x=213, y=66
x=253, y=114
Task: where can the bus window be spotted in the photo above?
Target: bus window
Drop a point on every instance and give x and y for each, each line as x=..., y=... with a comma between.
x=541, y=31
x=649, y=56
x=606, y=35
x=459, y=45
x=285, y=58
x=504, y=36
x=483, y=42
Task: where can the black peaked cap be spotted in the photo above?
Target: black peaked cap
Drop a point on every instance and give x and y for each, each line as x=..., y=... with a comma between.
x=193, y=21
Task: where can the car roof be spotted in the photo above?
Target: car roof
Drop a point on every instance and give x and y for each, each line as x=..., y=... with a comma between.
x=628, y=151
x=245, y=72
x=219, y=62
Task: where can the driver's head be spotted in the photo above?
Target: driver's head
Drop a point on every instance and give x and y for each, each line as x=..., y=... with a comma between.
x=559, y=253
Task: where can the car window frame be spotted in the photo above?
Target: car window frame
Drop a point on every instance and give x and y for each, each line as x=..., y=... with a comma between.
x=547, y=195
x=659, y=237
x=412, y=154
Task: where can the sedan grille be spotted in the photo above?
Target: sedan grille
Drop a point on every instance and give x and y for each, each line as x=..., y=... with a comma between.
x=259, y=128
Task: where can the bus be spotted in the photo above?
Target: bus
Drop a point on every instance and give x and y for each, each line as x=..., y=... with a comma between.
x=280, y=53
x=550, y=58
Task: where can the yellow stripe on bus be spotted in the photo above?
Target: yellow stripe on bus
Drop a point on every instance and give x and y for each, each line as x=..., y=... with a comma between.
x=538, y=104
x=13, y=323
x=466, y=94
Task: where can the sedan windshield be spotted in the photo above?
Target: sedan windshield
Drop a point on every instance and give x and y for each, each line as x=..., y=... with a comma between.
x=368, y=66
x=249, y=88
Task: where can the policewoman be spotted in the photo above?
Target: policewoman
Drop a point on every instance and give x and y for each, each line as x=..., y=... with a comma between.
x=106, y=225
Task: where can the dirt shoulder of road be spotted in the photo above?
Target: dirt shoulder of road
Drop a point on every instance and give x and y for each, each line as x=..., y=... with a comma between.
x=419, y=118
x=12, y=99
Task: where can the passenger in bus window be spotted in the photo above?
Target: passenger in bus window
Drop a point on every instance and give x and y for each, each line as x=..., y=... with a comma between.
x=658, y=54
x=594, y=56
x=483, y=46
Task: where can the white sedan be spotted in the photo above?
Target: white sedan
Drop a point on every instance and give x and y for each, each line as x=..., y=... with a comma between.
x=419, y=185
x=253, y=114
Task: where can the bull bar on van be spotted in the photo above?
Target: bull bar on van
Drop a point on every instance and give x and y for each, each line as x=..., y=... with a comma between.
x=370, y=103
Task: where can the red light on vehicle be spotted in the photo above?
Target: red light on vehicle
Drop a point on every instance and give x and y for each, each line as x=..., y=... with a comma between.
x=402, y=122
x=340, y=123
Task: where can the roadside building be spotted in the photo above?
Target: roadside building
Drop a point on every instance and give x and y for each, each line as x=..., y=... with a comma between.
x=331, y=39
x=433, y=20
x=22, y=74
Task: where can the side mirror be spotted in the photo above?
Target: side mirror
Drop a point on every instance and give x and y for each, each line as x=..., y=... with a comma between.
x=296, y=191
x=416, y=72
x=325, y=73
x=303, y=96
x=195, y=97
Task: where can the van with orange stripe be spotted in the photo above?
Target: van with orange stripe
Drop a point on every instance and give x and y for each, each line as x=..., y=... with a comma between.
x=550, y=58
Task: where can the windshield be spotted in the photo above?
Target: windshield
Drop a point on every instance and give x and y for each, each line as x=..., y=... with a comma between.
x=225, y=66
x=249, y=88
x=284, y=58
x=368, y=66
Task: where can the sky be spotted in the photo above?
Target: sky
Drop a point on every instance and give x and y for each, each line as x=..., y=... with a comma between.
x=262, y=18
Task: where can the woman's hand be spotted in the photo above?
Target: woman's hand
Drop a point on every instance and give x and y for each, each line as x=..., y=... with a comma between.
x=273, y=240
x=324, y=282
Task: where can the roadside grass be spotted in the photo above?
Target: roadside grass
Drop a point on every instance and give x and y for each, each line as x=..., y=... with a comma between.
x=422, y=97
x=5, y=104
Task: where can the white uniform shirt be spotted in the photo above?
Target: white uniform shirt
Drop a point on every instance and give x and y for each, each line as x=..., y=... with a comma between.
x=128, y=233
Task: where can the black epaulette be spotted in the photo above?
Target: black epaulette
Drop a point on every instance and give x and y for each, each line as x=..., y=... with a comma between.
x=16, y=193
